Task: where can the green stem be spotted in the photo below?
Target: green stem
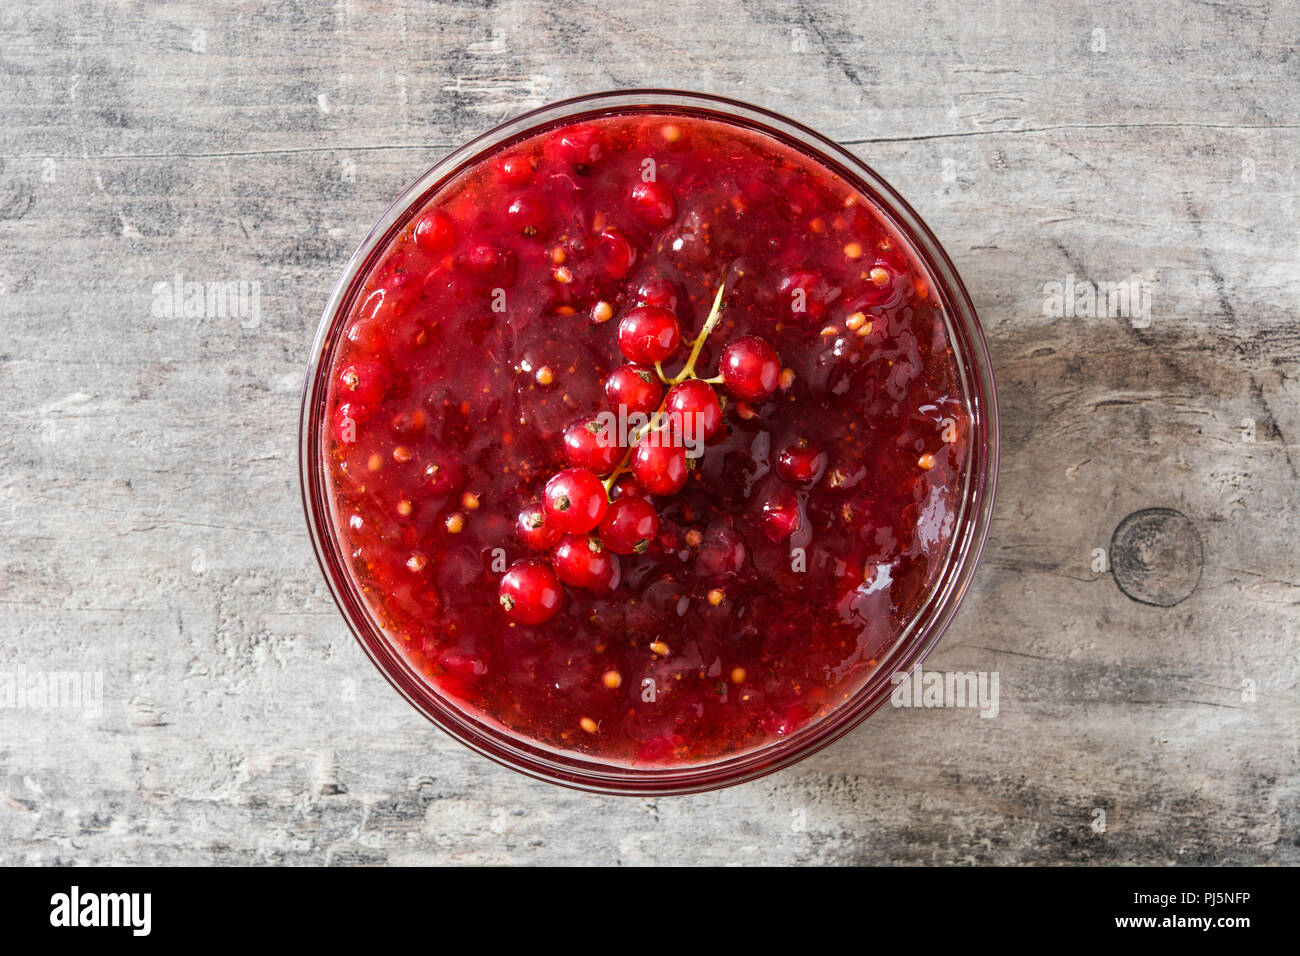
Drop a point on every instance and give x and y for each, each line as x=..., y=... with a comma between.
x=640, y=433
x=709, y=324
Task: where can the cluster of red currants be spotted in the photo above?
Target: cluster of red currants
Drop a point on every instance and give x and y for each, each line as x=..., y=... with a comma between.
x=600, y=507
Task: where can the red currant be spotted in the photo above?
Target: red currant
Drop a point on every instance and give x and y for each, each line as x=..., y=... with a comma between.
x=366, y=335
x=491, y=264
x=535, y=529
x=385, y=303
x=653, y=204
x=460, y=672
x=583, y=561
x=574, y=500
x=464, y=667
x=515, y=169
x=592, y=444
x=526, y=215
x=721, y=555
x=616, y=253
x=780, y=514
x=658, y=291
x=575, y=146
x=629, y=526
x=750, y=368
x=435, y=233
x=612, y=578
x=627, y=487
x=634, y=388
x=802, y=463
x=364, y=382
x=697, y=404
x=659, y=464
x=649, y=334
x=446, y=477
x=530, y=592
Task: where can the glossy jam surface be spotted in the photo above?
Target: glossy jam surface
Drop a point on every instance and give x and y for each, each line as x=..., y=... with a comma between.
x=808, y=530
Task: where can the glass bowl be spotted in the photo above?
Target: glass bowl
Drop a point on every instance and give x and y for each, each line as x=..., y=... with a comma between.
x=916, y=639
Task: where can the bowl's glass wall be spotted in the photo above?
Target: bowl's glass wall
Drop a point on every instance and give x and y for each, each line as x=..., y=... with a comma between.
x=915, y=641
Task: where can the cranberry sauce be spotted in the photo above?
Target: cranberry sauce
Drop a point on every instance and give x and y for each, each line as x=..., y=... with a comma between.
x=645, y=605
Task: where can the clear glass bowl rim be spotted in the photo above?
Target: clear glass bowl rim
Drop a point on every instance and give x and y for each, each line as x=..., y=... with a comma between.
x=918, y=638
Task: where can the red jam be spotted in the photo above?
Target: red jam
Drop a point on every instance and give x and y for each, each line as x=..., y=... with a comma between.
x=624, y=593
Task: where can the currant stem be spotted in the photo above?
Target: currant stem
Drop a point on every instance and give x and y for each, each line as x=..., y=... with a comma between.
x=640, y=433
x=648, y=427
x=709, y=324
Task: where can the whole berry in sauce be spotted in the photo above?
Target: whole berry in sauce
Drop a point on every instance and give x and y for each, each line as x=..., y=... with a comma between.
x=649, y=334
x=629, y=525
x=660, y=466
x=535, y=529
x=530, y=592
x=591, y=443
x=583, y=561
x=696, y=404
x=801, y=462
x=750, y=368
x=575, y=500
x=634, y=388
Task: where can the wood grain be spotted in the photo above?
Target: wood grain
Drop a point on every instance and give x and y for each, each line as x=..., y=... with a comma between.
x=149, y=502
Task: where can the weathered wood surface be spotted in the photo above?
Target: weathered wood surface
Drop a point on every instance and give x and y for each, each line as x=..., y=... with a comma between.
x=149, y=503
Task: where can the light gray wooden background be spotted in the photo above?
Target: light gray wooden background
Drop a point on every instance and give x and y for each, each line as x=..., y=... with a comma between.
x=149, y=506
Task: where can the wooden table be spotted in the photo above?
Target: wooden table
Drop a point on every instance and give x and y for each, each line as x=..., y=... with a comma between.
x=150, y=510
